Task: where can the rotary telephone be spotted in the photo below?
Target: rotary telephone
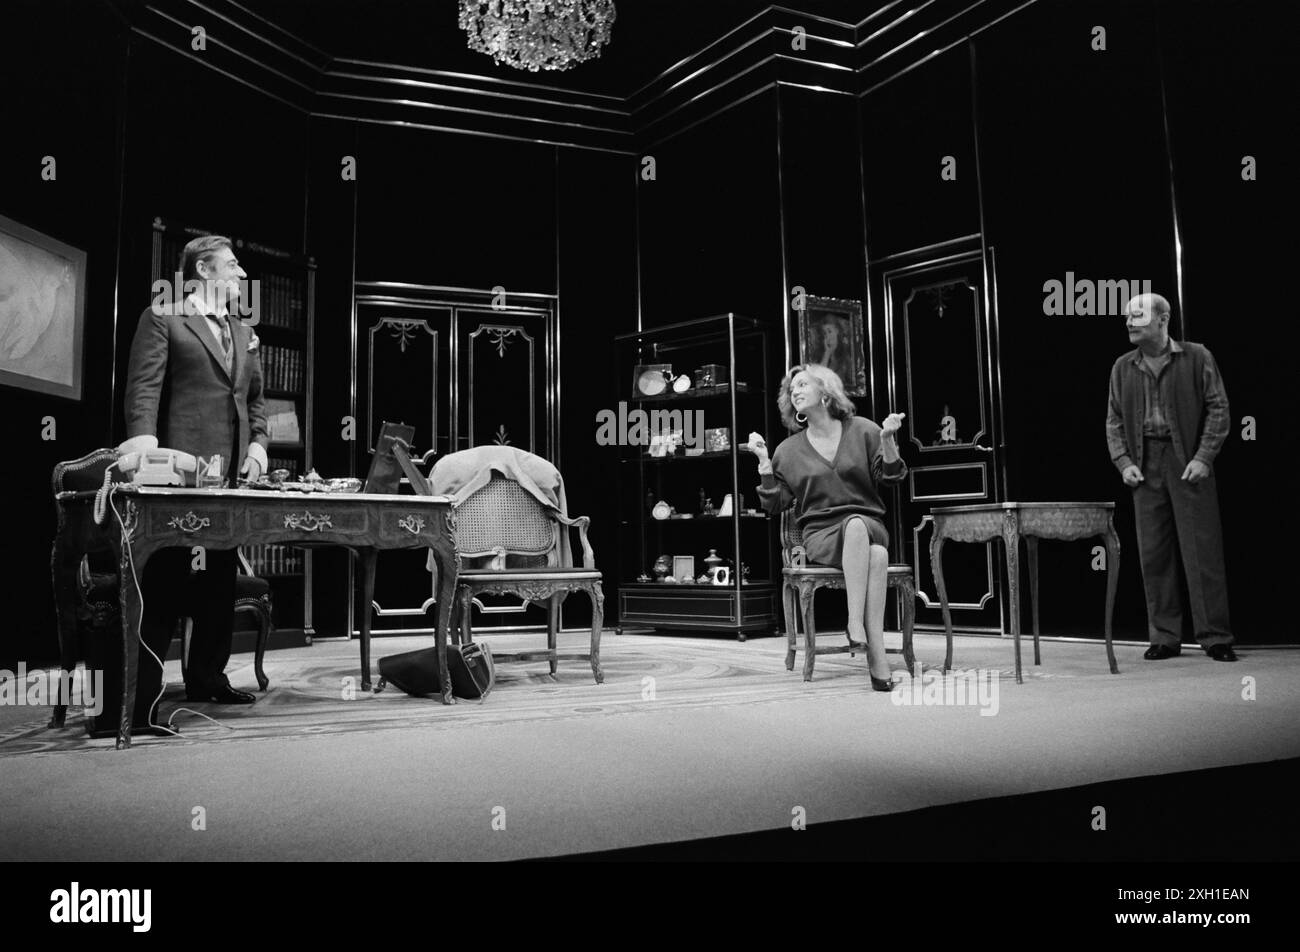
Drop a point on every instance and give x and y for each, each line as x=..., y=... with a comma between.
x=158, y=467
x=155, y=467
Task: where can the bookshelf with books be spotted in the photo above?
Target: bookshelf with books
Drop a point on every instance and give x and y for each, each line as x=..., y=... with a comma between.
x=281, y=296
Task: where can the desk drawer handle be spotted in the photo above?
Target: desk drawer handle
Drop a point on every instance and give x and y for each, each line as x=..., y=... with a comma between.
x=190, y=522
x=412, y=524
x=307, y=522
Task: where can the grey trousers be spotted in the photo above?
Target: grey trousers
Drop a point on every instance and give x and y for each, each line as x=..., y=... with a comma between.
x=1176, y=518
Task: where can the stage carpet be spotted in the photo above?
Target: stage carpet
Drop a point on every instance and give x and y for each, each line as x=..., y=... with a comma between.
x=688, y=738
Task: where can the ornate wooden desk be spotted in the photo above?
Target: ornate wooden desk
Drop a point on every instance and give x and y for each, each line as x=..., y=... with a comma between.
x=143, y=519
x=1011, y=521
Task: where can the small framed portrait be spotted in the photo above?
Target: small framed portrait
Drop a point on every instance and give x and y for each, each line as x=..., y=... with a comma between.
x=830, y=333
x=684, y=568
x=42, y=312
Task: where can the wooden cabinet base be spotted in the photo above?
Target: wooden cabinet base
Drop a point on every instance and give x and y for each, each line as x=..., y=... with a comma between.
x=698, y=607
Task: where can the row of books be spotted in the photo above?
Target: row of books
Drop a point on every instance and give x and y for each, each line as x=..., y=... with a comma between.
x=282, y=462
x=282, y=301
x=282, y=368
x=274, y=559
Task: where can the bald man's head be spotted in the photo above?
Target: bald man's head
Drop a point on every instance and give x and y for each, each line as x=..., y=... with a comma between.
x=1145, y=306
x=1147, y=318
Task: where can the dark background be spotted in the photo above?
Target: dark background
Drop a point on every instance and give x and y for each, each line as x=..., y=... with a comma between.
x=1067, y=158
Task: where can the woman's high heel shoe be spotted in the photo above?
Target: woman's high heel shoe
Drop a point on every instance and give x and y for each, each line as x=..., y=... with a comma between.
x=881, y=684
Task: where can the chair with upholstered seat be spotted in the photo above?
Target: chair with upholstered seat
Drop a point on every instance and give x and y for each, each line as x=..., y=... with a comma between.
x=519, y=538
x=799, y=584
x=88, y=606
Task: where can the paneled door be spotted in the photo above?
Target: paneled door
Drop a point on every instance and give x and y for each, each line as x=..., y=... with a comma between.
x=941, y=374
x=503, y=357
x=464, y=374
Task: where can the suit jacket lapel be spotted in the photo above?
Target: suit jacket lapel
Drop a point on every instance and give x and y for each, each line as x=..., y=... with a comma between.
x=199, y=325
x=238, y=347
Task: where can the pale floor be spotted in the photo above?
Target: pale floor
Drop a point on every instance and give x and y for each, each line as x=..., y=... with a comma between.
x=688, y=737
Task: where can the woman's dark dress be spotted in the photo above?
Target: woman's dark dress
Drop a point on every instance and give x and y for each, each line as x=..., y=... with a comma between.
x=827, y=494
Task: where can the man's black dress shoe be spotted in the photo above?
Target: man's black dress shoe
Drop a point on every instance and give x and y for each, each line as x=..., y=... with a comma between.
x=1161, y=652
x=222, y=695
x=1221, y=652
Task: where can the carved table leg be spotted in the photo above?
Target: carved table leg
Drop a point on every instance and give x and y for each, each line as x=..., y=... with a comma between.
x=263, y=633
x=63, y=569
x=552, y=629
x=1111, y=539
x=907, y=591
x=806, y=592
x=1011, y=537
x=368, y=558
x=129, y=571
x=597, y=624
x=936, y=569
x=788, y=599
x=1031, y=543
x=448, y=561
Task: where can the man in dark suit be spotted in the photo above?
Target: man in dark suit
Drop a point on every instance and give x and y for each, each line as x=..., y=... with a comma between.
x=194, y=383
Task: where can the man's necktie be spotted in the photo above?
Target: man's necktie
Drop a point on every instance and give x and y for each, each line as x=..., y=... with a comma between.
x=227, y=344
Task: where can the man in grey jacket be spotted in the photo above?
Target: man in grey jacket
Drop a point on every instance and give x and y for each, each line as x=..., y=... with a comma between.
x=1166, y=422
x=194, y=383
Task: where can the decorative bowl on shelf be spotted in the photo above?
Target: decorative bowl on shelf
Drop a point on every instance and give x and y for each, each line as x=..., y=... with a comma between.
x=650, y=380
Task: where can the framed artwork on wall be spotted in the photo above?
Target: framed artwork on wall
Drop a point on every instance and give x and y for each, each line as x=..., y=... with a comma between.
x=830, y=333
x=42, y=312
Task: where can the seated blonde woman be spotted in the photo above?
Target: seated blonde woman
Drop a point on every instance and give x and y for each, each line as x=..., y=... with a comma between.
x=830, y=472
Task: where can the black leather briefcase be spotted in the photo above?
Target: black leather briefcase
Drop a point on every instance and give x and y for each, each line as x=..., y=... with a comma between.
x=472, y=672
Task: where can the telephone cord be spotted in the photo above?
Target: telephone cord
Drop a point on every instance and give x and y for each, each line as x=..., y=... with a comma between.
x=103, y=499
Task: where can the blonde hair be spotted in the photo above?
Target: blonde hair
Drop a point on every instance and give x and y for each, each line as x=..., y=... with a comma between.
x=840, y=407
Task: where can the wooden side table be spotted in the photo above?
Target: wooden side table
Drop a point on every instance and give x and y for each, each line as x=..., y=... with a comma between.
x=1033, y=521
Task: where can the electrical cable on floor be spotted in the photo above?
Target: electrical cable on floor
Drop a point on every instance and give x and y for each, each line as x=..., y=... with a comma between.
x=105, y=496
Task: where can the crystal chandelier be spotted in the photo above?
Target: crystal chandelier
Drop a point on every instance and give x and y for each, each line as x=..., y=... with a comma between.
x=538, y=34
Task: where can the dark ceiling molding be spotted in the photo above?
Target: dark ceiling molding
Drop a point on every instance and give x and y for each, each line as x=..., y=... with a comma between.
x=212, y=64
x=877, y=14
x=306, y=50
x=838, y=58
x=938, y=40
x=910, y=39
x=513, y=136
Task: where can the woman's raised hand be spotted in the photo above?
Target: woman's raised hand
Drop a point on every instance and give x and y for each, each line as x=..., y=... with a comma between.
x=756, y=445
x=889, y=429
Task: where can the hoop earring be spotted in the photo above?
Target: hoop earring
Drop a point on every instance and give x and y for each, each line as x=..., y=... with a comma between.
x=826, y=401
x=801, y=417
